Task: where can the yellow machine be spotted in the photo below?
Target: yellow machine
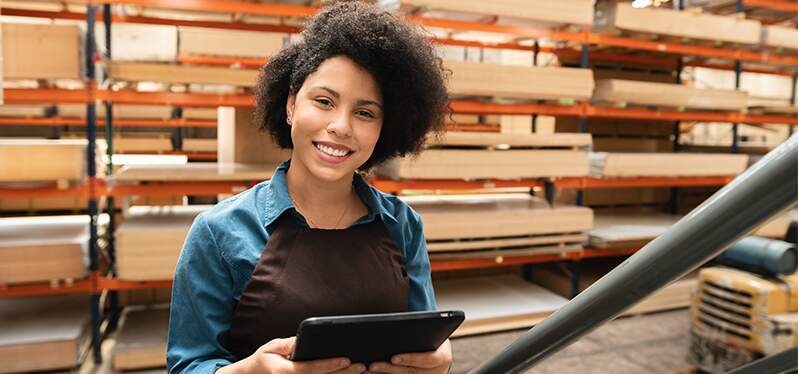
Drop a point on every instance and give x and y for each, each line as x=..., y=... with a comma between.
x=737, y=317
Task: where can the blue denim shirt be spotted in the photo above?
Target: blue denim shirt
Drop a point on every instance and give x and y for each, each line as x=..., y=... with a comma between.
x=225, y=243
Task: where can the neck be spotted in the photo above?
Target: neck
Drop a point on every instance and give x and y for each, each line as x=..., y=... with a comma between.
x=323, y=200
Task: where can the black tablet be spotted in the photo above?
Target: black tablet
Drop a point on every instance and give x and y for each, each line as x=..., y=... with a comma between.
x=368, y=338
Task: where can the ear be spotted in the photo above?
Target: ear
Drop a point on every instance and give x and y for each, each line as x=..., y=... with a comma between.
x=289, y=108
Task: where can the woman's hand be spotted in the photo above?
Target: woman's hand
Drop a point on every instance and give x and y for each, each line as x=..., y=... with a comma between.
x=272, y=357
x=436, y=362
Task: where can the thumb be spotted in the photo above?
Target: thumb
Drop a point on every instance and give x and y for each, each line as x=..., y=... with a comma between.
x=283, y=347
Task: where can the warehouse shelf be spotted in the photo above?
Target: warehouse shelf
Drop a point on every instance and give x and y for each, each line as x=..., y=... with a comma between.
x=502, y=261
x=53, y=189
x=583, y=109
x=782, y=5
x=175, y=188
x=57, y=121
x=87, y=285
x=112, y=284
x=587, y=183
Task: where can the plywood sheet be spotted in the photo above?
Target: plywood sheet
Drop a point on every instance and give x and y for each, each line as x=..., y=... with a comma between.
x=136, y=42
x=205, y=41
x=666, y=164
x=199, y=171
x=40, y=51
x=487, y=164
x=662, y=21
x=36, y=249
x=494, y=216
x=780, y=37
x=667, y=94
x=25, y=111
x=200, y=113
x=241, y=142
x=45, y=160
x=44, y=204
x=628, y=230
x=469, y=78
x=171, y=73
x=141, y=339
x=572, y=11
x=42, y=333
x=496, y=303
x=120, y=111
x=483, y=139
x=149, y=240
x=200, y=145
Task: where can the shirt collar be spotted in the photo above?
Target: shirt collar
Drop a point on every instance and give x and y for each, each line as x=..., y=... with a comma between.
x=278, y=200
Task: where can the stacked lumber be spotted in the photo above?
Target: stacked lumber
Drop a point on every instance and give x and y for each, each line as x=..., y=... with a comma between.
x=200, y=113
x=496, y=303
x=195, y=171
x=216, y=42
x=667, y=94
x=200, y=145
x=777, y=227
x=172, y=73
x=44, y=160
x=149, y=240
x=545, y=83
x=462, y=155
x=780, y=37
x=25, y=111
x=119, y=111
x=612, y=16
x=141, y=339
x=616, y=197
x=43, y=333
x=605, y=164
x=40, y=51
x=628, y=230
x=570, y=12
x=132, y=42
x=673, y=296
x=73, y=204
x=469, y=226
x=132, y=142
x=38, y=249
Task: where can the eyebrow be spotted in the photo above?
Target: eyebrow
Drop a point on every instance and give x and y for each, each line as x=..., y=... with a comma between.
x=359, y=102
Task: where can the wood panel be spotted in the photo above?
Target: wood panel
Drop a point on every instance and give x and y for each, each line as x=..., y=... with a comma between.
x=667, y=94
x=674, y=23
x=483, y=164
x=628, y=230
x=141, y=339
x=171, y=73
x=496, y=303
x=200, y=145
x=497, y=140
x=25, y=111
x=205, y=41
x=571, y=11
x=666, y=164
x=195, y=171
x=45, y=160
x=120, y=111
x=780, y=37
x=553, y=83
x=494, y=216
x=132, y=42
x=42, y=333
x=40, y=51
x=149, y=240
x=241, y=142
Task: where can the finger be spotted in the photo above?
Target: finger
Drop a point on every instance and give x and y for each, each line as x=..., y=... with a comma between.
x=384, y=367
x=426, y=360
x=322, y=366
x=284, y=347
x=357, y=368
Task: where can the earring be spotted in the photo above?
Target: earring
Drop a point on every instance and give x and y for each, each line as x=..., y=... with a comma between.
x=288, y=120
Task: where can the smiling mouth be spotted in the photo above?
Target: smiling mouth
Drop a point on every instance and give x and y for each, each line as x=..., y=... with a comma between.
x=330, y=151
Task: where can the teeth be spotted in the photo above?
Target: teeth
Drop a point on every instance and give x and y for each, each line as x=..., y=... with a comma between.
x=330, y=151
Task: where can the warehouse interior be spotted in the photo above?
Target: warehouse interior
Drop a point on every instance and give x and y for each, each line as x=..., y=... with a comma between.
x=581, y=131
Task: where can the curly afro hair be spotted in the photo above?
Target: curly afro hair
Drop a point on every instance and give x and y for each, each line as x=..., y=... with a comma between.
x=401, y=60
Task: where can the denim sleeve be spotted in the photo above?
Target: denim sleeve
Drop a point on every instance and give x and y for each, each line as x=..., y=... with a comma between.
x=421, y=294
x=202, y=305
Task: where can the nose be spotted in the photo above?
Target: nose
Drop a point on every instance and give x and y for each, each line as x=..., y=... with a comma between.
x=341, y=125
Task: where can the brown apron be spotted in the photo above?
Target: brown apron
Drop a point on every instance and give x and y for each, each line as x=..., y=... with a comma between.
x=305, y=272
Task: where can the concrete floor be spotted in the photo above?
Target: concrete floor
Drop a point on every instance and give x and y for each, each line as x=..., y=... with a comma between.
x=653, y=343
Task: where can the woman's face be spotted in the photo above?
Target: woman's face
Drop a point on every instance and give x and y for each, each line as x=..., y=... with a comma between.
x=336, y=119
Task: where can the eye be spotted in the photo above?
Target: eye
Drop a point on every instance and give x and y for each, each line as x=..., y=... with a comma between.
x=324, y=101
x=365, y=113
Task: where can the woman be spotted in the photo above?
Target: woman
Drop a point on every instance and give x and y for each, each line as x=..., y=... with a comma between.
x=360, y=87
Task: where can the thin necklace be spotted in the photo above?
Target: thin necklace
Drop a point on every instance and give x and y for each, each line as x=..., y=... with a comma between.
x=313, y=224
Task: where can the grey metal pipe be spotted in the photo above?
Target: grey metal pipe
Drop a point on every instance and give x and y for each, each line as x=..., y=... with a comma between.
x=767, y=188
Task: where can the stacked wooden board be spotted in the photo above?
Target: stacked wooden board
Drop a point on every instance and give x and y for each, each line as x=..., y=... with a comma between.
x=666, y=94
x=200, y=145
x=172, y=73
x=43, y=333
x=496, y=303
x=132, y=42
x=39, y=249
x=141, y=339
x=605, y=164
x=545, y=83
x=119, y=111
x=780, y=37
x=612, y=16
x=24, y=111
x=628, y=230
x=216, y=42
x=469, y=226
x=675, y=295
x=198, y=171
x=461, y=155
x=149, y=240
x=569, y=12
x=40, y=51
x=44, y=160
